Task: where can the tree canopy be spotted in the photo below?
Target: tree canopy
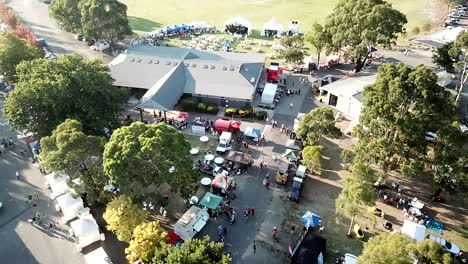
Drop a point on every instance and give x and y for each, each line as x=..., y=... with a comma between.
x=293, y=51
x=104, y=19
x=50, y=91
x=312, y=158
x=317, y=123
x=122, y=216
x=398, y=109
x=442, y=56
x=460, y=51
x=146, y=238
x=357, y=25
x=317, y=37
x=14, y=50
x=192, y=251
x=139, y=158
x=401, y=249
x=67, y=13
x=357, y=191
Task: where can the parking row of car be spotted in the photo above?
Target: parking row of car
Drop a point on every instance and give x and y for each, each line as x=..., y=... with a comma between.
x=454, y=17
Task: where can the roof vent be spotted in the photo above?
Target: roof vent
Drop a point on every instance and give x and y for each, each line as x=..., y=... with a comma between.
x=194, y=65
x=224, y=68
x=231, y=69
x=168, y=63
x=132, y=60
x=212, y=67
x=138, y=60
x=205, y=66
x=150, y=61
x=156, y=62
x=187, y=64
x=174, y=63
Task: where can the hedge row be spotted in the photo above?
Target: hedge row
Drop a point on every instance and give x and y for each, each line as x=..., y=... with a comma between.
x=245, y=112
x=200, y=107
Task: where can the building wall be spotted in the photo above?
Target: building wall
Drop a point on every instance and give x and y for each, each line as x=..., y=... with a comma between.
x=349, y=106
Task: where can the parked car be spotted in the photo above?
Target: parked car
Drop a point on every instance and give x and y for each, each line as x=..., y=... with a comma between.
x=100, y=45
x=79, y=36
x=219, y=170
x=449, y=247
x=89, y=41
x=295, y=191
x=42, y=42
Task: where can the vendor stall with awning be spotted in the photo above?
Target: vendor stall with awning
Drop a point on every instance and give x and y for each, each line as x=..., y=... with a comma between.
x=221, y=184
x=239, y=159
x=272, y=28
x=238, y=25
x=58, y=183
x=70, y=206
x=254, y=133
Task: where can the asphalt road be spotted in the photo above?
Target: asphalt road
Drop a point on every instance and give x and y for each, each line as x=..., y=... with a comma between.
x=21, y=241
x=35, y=15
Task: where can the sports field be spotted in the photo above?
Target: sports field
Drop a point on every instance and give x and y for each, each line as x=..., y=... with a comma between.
x=147, y=15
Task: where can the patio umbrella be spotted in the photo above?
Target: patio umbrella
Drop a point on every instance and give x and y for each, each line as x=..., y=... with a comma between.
x=194, y=151
x=219, y=160
x=310, y=219
x=209, y=157
x=204, y=139
x=289, y=153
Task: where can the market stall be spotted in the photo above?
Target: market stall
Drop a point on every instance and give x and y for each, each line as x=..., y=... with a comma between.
x=97, y=256
x=238, y=25
x=253, y=133
x=58, y=183
x=238, y=160
x=221, y=184
x=269, y=93
x=272, y=28
x=211, y=202
x=86, y=230
x=70, y=206
x=291, y=155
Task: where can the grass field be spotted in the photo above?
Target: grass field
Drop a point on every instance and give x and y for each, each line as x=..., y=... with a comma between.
x=147, y=15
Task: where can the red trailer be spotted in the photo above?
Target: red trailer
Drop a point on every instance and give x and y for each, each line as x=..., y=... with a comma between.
x=274, y=71
x=223, y=125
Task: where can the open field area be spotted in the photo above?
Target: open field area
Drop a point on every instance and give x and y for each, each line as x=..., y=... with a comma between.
x=147, y=15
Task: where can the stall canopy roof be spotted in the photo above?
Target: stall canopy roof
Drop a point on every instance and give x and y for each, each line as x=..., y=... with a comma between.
x=310, y=219
x=211, y=201
x=290, y=153
x=414, y=230
x=294, y=144
x=252, y=132
x=273, y=24
x=221, y=181
x=269, y=92
x=311, y=250
x=239, y=21
x=238, y=157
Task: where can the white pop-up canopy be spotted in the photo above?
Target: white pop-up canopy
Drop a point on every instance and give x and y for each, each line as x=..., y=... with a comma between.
x=70, y=206
x=239, y=21
x=273, y=26
x=58, y=183
x=199, y=25
x=269, y=92
x=97, y=256
x=414, y=230
x=86, y=230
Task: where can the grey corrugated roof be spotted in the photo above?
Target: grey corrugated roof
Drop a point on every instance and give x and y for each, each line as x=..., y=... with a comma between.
x=214, y=79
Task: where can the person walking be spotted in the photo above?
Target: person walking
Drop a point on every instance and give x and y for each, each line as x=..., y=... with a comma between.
x=254, y=247
x=274, y=232
x=252, y=211
x=291, y=105
x=246, y=215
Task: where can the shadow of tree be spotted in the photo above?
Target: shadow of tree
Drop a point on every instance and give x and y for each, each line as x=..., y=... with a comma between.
x=143, y=24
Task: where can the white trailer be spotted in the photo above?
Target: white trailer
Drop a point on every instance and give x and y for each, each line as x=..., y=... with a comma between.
x=191, y=222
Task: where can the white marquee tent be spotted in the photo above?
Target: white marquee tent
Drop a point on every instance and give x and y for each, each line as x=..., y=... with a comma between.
x=86, y=230
x=97, y=256
x=58, y=183
x=269, y=92
x=239, y=21
x=273, y=26
x=414, y=230
x=70, y=206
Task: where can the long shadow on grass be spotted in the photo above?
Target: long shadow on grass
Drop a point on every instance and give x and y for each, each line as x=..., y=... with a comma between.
x=143, y=24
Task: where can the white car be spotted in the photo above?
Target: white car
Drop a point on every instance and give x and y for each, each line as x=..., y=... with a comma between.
x=100, y=45
x=219, y=170
x=350, y=259
x=463, y=128
x=449, y=247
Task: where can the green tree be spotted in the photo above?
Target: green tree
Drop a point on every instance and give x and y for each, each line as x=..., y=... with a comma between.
x=441, y=56
x=317, y=123
x=122, y=216
x=67, y=13
x=398, y=109
x=429, y=252
x=317, y=37
x=357, y=191
x=14, y=50
x=141, y=158
x=357, y=25
x=312, y=158
x=50, y=91
x=104, y=19
x=346, y=158
x=460, y=50
x=192, y=251
x=388, y=248
x=293, y=49
x=146, y=238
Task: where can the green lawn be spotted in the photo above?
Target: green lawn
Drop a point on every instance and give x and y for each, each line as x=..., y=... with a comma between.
x=147, y=15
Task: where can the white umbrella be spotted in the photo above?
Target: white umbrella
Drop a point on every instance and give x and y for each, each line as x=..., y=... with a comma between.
x=206, y=181
x=219, y=160
x=204, y=139
x=209, y=157
x=194, y=151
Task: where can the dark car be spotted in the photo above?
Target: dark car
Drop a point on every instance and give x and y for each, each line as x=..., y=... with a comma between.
x=295, y=191
x=89, y=41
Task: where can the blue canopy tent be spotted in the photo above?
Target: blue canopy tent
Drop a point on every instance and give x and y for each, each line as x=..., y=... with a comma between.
x=252, y=132
x=226, y=44
x=185, y=27
x=169, y=30
x=310, y=219
x=176, y=28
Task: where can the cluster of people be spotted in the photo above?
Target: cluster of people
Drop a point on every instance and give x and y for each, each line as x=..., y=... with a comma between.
x=4, y=144
x=32, y=199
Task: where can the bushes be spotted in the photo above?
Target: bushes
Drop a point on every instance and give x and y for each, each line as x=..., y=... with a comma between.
x=245, y=111
x=230, y=111
x=201, y=107
x=212, y=109
x=261, y=115
x=190, y=106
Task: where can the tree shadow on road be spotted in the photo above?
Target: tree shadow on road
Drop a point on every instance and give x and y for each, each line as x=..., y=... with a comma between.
x=143, y=24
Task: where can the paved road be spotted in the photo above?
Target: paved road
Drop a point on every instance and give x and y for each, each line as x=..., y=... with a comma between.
x=36, y=15
x=21, y=241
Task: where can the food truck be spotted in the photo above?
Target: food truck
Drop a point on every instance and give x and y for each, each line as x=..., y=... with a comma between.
x=191, y=222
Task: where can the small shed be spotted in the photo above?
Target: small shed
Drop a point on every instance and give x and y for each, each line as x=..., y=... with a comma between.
x=269, y=92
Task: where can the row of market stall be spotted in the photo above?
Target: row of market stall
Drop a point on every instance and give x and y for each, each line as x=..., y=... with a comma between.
x=82, y=224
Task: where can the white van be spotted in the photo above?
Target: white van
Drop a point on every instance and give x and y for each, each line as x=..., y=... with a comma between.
x=224, y=142
x=301, y=171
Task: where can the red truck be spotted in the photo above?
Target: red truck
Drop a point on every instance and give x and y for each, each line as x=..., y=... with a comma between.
x=225, y=125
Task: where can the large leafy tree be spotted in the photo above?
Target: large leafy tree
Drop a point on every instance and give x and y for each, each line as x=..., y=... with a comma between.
x=460, y=51
x=122, y=216
x=357, y=191
x=14, y=50
x=293, y=49
x=146, y=238
x=192, y=251
x=141, y=158
x=317, y=37
x=398, y=109
x=312, y=158
x=429, y=252
x=358, y=25
x=442, y=56
x=50, y=91
x=104, y=19
x=67, y=13
x=317, y=123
